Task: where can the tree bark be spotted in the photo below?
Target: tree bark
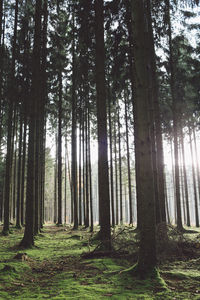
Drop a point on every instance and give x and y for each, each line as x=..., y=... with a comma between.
x=103, y=179
x=194, y=181
x=74, y=136
x=80, y=170
x=128, y=163
x=111, y=163
x=60, y=150
x=120, y=165
x=116, y=175
x=144, y=179
x=9, y=153
x=197, y=161
x=175, y=121
x=23, y=169
x=90, y=177
x=28, y=239
x=55, y=183
x=18, y=216
x=185, y=181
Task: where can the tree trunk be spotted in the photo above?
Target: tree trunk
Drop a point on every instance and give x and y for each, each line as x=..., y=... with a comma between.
x=18, y=217
x=86, y=171
x=14, y=175
x=128, y=163
x=74, y=135
x=23, y=170
x=194, y=181
x=9, y=128
x=60, y=150
x=175, y=121
x=28, y=239
x=42, y=108
x=55, y=183
x=37, y=170
x=197, y=161
x=144, y=179
x=103, y=179
x=80, y=171
x=116, y=174
x=111, y=164
x=65, y=187
x=83, y=163
x=159, y=156
x=70, y=183
x=120, y=165
x=90, y=177
x=185, y=181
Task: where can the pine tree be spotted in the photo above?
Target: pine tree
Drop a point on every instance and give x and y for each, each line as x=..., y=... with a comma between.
x=103, y=180
x=144, y=179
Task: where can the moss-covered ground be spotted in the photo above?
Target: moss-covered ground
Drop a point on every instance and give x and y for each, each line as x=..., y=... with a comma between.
x=57, y=269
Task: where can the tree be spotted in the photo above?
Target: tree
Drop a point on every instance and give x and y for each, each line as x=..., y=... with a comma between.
x=143, y=155
x=11, y=107
x=175, y=106
x=28, y=238
x=74, y=129
x=103, y=179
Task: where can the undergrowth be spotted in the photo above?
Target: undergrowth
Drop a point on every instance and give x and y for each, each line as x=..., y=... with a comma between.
x=57, y=267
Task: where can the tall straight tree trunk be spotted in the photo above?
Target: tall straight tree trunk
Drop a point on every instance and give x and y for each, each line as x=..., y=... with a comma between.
x=182, y=184
x=90, y=177
x=128, y=163
x=42, y=108
x=55, y=183
x=28, y=239
x=185, y=180
x=116, y=174
x=159, y=156
x=86, y=171
x=65, y=186
x=23, y=170
x=194, y=181
x=70, y=183
x=60, y=96
x=60, y=151
x=80, y=171
x=1, y=74
x=120, y=165
x=1, y=50
x=173, y=181
x=74, y=135
x=14, y=175
x=37, y=171
x=83, y=163
x=25, y=99
x=111, y=164
x=42, y=180
x=144, y=179
x=103, y=179
x=18, y=216
x=175, y=120
x=133, y=82
x=9, y=153
x=197, y=161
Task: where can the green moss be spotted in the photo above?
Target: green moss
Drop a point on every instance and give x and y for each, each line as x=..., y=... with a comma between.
x=55, y=270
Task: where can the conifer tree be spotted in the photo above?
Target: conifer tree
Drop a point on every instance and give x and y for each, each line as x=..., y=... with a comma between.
x=103, y=180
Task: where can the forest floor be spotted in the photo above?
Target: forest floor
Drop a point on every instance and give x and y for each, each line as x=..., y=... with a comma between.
x=58, y=267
